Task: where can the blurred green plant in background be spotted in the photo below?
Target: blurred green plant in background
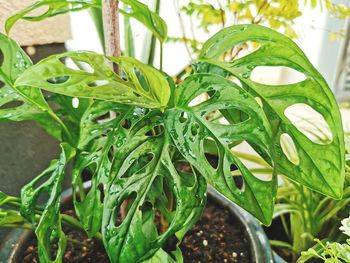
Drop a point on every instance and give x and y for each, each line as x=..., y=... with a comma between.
x=276, y=14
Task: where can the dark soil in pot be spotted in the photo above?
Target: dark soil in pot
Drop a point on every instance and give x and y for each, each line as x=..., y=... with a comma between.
x=217, y=237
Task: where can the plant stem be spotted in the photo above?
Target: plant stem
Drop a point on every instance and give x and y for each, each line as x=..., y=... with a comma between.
x=111, y=28
x=77, y=242
x=153, y=43
x=66, y=219
x=110, y=12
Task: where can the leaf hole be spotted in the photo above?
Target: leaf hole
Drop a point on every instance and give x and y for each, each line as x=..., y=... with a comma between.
x=102, y=191
x=276, y=75
x=239, y=51
x=138, y=164
x=123, y=207
x=199, y=99
x=126, y=124
x=289, y=149
x=58, y=80
x=53, y=237
x=211, y=152
x=259, y=101
x=310, y=123
x=195, y=128
x=186, y=173
x=97, y=83
x=85, y=67
x=227, y=116
x=11, y=104
x=183, y=117
x=1, y=57
x=238, y=179
x=155, y=131
x=124, y=75
x=2, y=84
x=253, y=160
x=43, y=198
x=235, y=81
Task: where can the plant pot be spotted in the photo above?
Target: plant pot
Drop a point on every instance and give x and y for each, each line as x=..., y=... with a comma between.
x=12, y=248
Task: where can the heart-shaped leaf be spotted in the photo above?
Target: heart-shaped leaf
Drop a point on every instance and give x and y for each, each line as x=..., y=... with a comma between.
x=139, y=85
x=321, y=172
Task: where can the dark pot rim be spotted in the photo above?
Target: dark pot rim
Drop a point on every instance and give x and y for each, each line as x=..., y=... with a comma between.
x=11, y=249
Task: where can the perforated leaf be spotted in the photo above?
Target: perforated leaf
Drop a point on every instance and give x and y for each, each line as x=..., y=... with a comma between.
x=142, y=168
x=22, y=103
x=49, y=8
x=139, y=85
x=321, y=172
x=43, y=9
x=189, y=129
x=48, y=230
x=95, y=157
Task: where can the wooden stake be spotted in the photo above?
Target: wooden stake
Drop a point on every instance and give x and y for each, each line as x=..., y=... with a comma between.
x=110, y=13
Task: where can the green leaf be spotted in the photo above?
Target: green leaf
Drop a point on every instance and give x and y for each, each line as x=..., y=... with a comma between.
x=95, y=157
x=321, y=172
x=21, y=103
x=142, y=168
x=3, y=198
x=149, y=19
x=189, y=129
x=49, y=8
x=164, y=257
x=11, y=218
x=69, y=114
x=48, y=230
x=139, y=84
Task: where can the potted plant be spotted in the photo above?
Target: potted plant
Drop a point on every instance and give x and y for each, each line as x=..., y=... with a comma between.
x=149, y=163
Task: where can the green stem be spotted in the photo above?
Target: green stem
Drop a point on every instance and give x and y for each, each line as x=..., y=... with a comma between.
x=66, y=219
x=152, y=49
x=161, y=57
x=128, y=39
x=64, y=127
x=77, y=242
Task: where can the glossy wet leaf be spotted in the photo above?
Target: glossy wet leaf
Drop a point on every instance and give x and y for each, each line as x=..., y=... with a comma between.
x=321, y=172
x=149, y=19
x=94, y=157
x=49, y=228
x=189, y=129
x=164, y=257
x=21, y=103
x=141, y=168
x=139, y=85
x=49, y=8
